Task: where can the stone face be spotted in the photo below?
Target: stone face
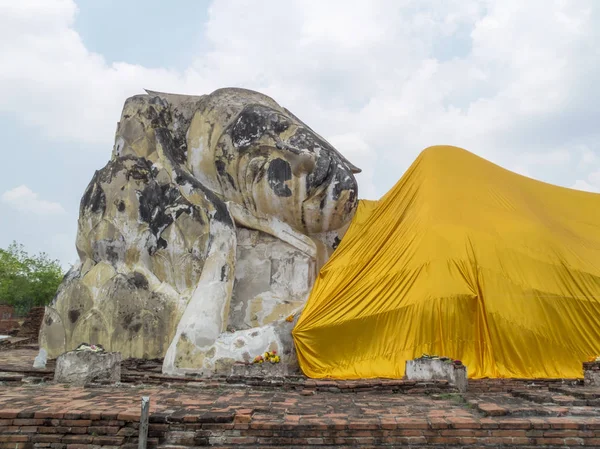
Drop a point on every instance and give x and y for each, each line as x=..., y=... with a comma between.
x=436, y=369
x=83, y=367
x=202, y=233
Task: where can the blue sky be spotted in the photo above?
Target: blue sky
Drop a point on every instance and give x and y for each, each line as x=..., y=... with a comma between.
x=512, y=81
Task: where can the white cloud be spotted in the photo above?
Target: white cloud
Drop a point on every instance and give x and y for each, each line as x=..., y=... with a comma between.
x=580, y=184
x=510, y=80
x=361, y=155
x=23, y=199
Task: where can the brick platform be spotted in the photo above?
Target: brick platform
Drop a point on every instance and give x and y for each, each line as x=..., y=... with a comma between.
x=299, y=413
x=53, y=415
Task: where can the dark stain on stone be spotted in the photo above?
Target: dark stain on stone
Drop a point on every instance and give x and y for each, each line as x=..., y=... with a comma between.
x=160, y=205
x=336, y=242
x=323, y=201
x=112, y=254
x=136, y=327
x=94, y=198
x=222, y=170
x=254, y=122
x=161, y=244
x=183, y=176
x=74, y=315
x=344, y=181
x=278, y=173
x=139, y=280
x=121, y=206
x=127, y=319
x=223, y=273
x=221, y=211
x=249, y=126
x=48, y=321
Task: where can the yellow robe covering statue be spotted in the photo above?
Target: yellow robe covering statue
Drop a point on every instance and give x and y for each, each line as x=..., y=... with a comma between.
x=463, y=259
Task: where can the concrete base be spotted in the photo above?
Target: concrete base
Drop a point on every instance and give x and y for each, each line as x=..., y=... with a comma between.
x=591, y=374
x=83, y=367
x=436, y=369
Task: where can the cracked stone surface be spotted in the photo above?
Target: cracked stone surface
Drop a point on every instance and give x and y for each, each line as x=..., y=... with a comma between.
x=203, y=232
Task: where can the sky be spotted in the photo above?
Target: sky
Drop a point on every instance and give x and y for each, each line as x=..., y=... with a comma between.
x=510, y=80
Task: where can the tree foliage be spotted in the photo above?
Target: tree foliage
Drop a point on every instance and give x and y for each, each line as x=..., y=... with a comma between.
x=27, y=281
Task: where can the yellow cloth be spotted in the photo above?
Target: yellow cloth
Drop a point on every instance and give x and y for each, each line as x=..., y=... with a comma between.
x=463, y=259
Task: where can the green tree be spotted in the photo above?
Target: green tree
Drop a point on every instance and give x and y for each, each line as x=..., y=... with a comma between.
x=27, y=281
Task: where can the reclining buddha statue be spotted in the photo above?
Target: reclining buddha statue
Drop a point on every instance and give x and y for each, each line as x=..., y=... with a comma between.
x=201, y=238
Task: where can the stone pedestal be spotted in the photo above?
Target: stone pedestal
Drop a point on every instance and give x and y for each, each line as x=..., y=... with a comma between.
x=591, y=374
x=83, y=367
x=437, y=369
x=260, y=370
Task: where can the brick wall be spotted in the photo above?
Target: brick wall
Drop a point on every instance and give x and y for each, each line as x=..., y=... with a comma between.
x=23, y=430
x=6, y=312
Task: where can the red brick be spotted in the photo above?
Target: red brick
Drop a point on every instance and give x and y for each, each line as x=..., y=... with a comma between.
x=464, y=423
x=564, y=433
x=458, y=433
x=129, y=416
x=48, y=414
x=115, y=422
x=27, y=422
x=242, y=417
x=190, y=418
x=492, y=409
x=443, y=440
x=488, y=423
x=14, y=438
x=244, y=440
x=9, y=413
x=77, y=439
x=73, y=430
x=406, y=423
x=46, y=438
x=438, y=423
x=28, y=429
x=127, y=431
x=522, y=441
x=76, y=422
x=558, y=423
x=549, y=441
x=508, y=433
x=5, y=422
x=103, y=430
x=108, y=441
x=514, y=424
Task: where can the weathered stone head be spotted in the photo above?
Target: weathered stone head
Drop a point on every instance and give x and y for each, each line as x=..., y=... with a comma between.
x=159, y=231
x=249, y=150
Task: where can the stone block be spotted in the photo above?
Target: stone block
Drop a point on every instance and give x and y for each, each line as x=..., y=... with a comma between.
x=591, y=374
x=82, y=367
x=428, y=369
x=260, y=370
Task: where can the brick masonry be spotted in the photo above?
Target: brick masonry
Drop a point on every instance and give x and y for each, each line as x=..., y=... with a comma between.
x=290, y=412
x=73, y=430
x=58, y=417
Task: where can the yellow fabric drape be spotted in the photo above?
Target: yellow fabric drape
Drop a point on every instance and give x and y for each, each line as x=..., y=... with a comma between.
x=463, y=259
